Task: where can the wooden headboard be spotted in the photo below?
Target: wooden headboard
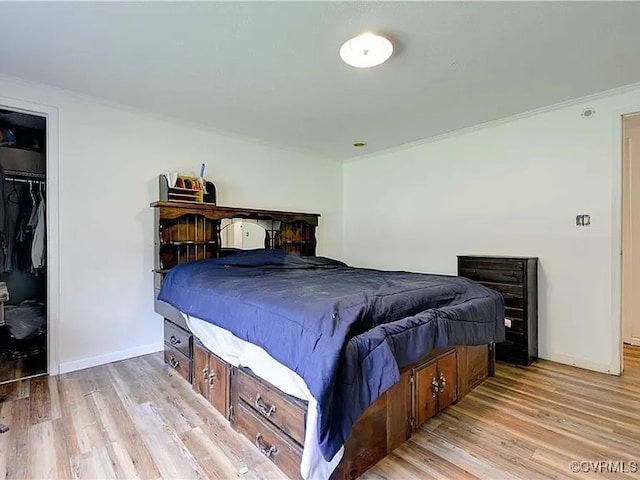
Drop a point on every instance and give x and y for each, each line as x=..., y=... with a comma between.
x=187, y=231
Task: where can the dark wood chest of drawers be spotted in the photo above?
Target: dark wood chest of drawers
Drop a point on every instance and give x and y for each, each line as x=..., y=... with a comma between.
x=516, y=278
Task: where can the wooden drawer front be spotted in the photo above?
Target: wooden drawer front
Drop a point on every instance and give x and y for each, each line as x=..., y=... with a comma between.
x=447, y=380
x=425, y=396
x=285, y=412
x=179, y=362
x=505, y=276
x=272, y=443
x=515, y=337
x=491, y=263
x=513, y=294
x=200, y=370
x=514, y=324
x=513, y=353
x=218, y=380
x=514, y=313
x=177, y=338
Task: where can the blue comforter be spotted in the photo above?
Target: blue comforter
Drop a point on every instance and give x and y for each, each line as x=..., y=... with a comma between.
x=346, y=331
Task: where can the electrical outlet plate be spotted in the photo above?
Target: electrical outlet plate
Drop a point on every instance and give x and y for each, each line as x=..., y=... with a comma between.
x=583, y=220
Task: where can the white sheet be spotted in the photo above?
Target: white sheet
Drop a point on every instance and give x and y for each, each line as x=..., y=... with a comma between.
x=240, y=353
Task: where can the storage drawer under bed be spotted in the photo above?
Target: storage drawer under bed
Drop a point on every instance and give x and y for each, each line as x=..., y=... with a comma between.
x=269, y=440
x=178, y=361
x=283, y=411
x=177, y=338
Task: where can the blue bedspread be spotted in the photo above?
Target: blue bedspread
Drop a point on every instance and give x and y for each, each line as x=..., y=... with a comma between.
x=346, y=331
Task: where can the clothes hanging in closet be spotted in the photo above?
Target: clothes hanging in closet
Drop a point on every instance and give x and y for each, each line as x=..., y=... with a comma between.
x=12, y=212
x=38, y=246
x=23, y=238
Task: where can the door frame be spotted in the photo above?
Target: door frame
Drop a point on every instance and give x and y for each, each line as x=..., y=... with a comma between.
x=616, y=236
x=52, y=215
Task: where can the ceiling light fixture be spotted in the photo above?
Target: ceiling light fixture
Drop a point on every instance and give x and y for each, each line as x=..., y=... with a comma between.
x=359, y=144
x=366, y=50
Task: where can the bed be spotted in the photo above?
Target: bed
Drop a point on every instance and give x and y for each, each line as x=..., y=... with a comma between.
x=325, y=366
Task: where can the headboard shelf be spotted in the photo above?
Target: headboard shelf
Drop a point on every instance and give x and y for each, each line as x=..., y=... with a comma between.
x=217, y=212
x=191, y=231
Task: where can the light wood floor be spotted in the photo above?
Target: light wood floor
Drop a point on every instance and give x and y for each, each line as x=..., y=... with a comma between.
x=137, y=418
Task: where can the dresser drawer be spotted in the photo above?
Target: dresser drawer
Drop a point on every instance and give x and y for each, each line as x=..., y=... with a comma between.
x=513, y=294
x=178, y=361
x=488, y=263
x=512, y=324
x=516, y=338
x=272, y=443
x=503, y=276
x=285, y=412
x=177, y=338
x=513, y=353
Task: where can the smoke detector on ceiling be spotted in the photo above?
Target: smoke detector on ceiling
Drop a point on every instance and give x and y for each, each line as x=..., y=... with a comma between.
x=588, y=112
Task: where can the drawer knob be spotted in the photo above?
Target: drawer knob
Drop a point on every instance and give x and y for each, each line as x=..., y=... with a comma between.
x=174, y=340
x=266, y=449
x=173, y=362
x=435, y=387
x=212, y=377
x=262, y=408
x=443, y=382
x=205, y=371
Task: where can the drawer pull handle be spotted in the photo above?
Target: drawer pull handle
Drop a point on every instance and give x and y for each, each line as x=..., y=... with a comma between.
x=174, y=340
x=205, y=371
x=262, y=408
x=443, y=382
x=173, y=362
x=435, y=387
x=267, y=450
x=212, y=377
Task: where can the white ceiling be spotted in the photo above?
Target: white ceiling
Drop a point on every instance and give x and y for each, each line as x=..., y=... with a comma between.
x=271, y=71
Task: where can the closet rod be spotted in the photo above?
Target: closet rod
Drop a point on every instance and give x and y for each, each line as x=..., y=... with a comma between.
x=24, y=180
x=16, y=174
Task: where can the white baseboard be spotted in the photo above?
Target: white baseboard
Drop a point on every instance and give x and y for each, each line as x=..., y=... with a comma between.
x=110, y=357
x=633, y=341
x=582, y=363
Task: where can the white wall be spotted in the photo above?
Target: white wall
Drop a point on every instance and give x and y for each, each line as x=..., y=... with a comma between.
x=513, y=188
x=109, y=161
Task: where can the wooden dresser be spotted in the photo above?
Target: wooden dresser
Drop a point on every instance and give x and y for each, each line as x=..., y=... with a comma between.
x=516, y=278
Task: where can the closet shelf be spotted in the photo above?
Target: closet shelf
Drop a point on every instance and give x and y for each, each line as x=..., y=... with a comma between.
x=21, y=149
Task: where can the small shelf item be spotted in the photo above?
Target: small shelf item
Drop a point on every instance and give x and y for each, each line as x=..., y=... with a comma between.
x=184, y=188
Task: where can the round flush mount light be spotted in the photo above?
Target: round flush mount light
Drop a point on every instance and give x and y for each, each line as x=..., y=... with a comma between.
x=366, y=50
x=359, y=144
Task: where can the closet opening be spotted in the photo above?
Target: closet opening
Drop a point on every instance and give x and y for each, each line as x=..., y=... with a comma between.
x=23, y=246
x=630, y=240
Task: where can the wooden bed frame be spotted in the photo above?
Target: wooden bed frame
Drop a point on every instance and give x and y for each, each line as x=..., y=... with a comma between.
x=273, y=420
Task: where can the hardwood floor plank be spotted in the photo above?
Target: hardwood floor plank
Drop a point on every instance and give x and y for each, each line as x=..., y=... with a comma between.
x=169, y=453
x=208, y=455
x=139, y=419
x=18, y=451
x=122, y=432
x=5, y=439
x=42, y=451
x=40, y=400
